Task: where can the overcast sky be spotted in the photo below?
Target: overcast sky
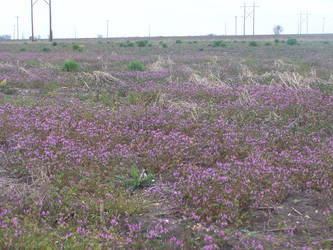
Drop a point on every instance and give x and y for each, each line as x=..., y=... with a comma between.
x=165, y=18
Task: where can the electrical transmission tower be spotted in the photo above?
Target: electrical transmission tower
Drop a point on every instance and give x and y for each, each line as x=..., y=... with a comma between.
x=249, y=14
x=32, y=18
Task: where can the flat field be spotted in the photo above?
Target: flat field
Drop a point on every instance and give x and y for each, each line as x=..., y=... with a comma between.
x=174, y=144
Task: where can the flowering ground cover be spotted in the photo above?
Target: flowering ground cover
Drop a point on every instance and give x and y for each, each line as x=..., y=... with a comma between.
x=203, y=147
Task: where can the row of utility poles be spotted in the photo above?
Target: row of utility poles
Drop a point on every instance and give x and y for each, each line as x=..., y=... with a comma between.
x=32, y=19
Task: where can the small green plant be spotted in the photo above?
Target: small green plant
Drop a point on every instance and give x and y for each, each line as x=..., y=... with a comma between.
x=3, y=83
x=276, y=40
x=142, y=43
x=23, y=49
x=253, y=43
x=150, y=45
x=201, y=49
x=164, y=45
x=70, y=66
x=291, y=41
x=178, y=41
x=63, y=45
x=139, y=180
x=46, y=49
x=268, y=44
x=78, y=47
x=100, y=42
x=136, y=66
x=195, y=41
x=219, y=44
x=54, y=44
x=243, y=41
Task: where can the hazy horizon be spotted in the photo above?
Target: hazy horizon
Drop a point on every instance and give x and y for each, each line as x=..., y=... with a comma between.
x=129, y=18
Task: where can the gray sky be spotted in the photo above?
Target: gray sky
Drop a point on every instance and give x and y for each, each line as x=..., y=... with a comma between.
x=166, y=18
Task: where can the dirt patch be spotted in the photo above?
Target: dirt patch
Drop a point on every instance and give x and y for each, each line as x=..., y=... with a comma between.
x=298, y=222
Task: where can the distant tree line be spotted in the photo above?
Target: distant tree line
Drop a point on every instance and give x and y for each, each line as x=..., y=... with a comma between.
x=5, y=37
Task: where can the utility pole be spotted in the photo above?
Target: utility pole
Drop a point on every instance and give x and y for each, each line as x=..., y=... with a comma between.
x=107, y=28
x=17, y=28
x=236, y=25
x=32, y=19
x=149, y=32
x=32, y=22
x=307, y=22
x=244, y=18
x=251, y=14
x=51, y=32
x=254, y=15
x=301, y=21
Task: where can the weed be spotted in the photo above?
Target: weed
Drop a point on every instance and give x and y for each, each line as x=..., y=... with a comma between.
x=178, y=41
x=70, y=66
x=291, y=41
x=136, y=66
x=139, y=180
x=54, y=44
x=253, y=44
x=23, y=49
x=142, y=43
x=46, y=49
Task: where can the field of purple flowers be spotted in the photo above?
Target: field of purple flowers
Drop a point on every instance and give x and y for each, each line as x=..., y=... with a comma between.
x=204, y=145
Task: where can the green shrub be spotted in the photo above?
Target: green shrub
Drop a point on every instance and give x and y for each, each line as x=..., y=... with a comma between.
x=64, y=45
x=126, y=44
x=253, y=44
x=178, y=41
x=142, y=43
x=201, y=49
x=164, y=45
x=23, y=49
x=46, y=49
x=291, y=41
x=136, y=66
x=70, y=66
x=268, y=43
x=243, y=41
x=195, y=41
x=54, y=44
x=100, y=42
x=276, y=40
x=75, y=46
x=150, y=45
x=219, y=44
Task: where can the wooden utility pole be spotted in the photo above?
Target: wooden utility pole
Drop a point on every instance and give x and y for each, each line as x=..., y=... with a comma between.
x=51, y=32
x=236, y=25
x=32, y=19
x=254, y=15
x=32, y=22
x=107, y=28
x=244, y=18
x=17, y=28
